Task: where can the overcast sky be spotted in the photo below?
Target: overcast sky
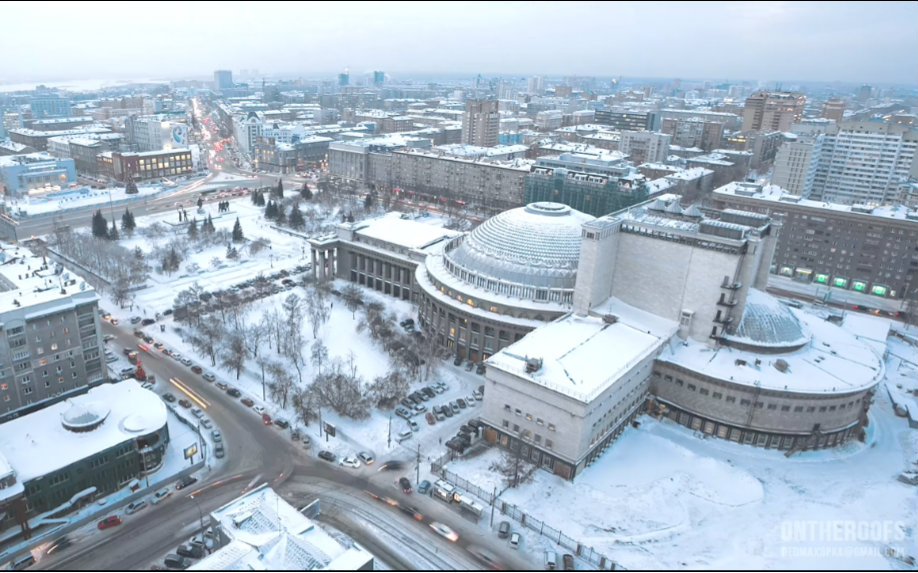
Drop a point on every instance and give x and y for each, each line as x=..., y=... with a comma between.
x=875, y=42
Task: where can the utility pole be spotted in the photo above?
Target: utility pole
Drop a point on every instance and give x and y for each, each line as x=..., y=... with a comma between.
x=418, y=476
x=389, y=436
x=493, y=503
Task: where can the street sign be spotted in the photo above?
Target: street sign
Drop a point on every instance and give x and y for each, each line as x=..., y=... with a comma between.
x=329, y=429
x=191, y=450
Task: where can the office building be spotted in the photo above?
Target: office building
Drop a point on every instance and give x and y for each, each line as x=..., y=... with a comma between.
x=481, y=123
x=77, y=450
x=45, y=105
x=796, y=161
x=631, y=120
x=34, y=173
x=51, y=343
x=147, y=165
x=834, y=109
x=772, y=111
x=693, y=132
x=645, y=146
x=860, y=248
x=223, y=80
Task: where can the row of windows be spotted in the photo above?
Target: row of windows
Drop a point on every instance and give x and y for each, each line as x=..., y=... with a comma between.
x=539, y=421
x=527, y=434
x=760, y=405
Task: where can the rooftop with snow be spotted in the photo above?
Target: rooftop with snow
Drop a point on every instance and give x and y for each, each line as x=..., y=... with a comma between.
x=780, y=195
x=40, y=443
x=405, y=233
x=582, y=356
x=27, y=279
x=268, y=534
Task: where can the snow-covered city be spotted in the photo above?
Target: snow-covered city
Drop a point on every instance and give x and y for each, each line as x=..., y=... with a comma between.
x=264, y=320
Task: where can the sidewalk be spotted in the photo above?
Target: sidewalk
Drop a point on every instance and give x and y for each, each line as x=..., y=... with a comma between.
x=818, y=292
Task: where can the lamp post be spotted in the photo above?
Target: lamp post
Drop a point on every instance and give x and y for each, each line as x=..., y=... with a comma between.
x=201, y=517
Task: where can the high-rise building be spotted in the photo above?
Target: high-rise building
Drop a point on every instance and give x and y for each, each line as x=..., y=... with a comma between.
x=796, y=161
x=536, y=85
x=52, y=341
x=864, y=94
x=865, y=162
x=645, y=146
x=49, y=104
x=223, y=80
x=481, y=122
x=379, y=78
x=694, y=132
x=772, y=111
x=834, y=109
x=344, y=79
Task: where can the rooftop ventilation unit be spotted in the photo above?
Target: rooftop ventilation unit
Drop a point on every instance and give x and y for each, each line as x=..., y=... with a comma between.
x=533, y=365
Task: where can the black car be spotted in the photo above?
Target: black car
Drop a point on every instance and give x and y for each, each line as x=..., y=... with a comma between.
x=327, y=456
x=169, y=397
x=392, y=465
x=185, y=482
x=405, y=485
x=147, y=321
x=428, y=392
x=186, y=550
x=282, y=424
x=457, y=361
x=233, y=392
x=481, y=368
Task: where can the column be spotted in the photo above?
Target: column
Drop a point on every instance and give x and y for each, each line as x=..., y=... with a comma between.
x=323, y=275
x=315, y=263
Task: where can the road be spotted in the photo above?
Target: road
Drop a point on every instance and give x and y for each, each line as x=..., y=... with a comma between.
x=255, y=454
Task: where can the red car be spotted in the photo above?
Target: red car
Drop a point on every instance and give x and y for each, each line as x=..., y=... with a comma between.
x=111, y=521
x=431, y=419
x=266, y=419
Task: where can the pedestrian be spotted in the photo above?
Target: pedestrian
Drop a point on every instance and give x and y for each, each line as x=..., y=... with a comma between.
x=441, y=440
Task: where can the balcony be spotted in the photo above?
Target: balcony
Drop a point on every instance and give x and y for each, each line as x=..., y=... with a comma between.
x=731, y=285
x=724, y=320
x=728, y=303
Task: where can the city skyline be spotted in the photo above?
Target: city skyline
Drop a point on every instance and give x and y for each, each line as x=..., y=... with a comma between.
x=853, y=42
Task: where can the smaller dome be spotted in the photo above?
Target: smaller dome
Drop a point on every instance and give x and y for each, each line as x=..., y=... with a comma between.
x=657, y=205
x=693, y=211
x=136, y=423
x=674, y=208
x=84, y=416
x=767, y=325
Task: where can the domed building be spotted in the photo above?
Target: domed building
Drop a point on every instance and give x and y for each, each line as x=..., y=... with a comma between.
x=484, y=290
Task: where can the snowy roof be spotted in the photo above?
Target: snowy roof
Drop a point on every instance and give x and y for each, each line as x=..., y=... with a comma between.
x=537, y=245
x=407, y=233
x=38, y=443
x=690, y=173
x=267, y=533
x=582, y=356
x=23, y=280
x=834, y=361
x=779, y=195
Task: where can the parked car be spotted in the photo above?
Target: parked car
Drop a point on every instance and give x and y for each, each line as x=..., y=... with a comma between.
x=233, y=392
x=514, y=540
x=414, y=426
x=110, y=521
x=366, y=457
x=222, y=385
x=327, y=456
x=108, y=337
x=205, y=423
x=481, y=369
x=424, y=487
x=454, y=407
x=248, y=402
x=470, y=400
x=184, y=403
x=217, y=436
x=160, y=495
x=173, y=561
x=169, y=397
x=478, y=395
x=405, y=484
x=197, y=412
x=197, y=369
x=219, y=451
x=403, y=412
x=350, y=462
x=266, y=419
x=428, y=392
x=503, y=530
x=186, y=361
x=185, y=482
x=457, y=361
x=135, y=506
x=259, y=409
x=208, y=376
x=147, y=322
x=135, y=319
x=188, y=550
x=461, y=403
x=431, y=418
x=282, y=424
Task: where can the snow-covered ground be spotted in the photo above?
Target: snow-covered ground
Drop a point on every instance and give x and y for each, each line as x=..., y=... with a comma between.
x=664, y=497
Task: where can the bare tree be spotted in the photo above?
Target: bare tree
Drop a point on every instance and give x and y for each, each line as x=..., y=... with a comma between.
x=514, y=468
x=281, y=383
x=319, y=355
x=254, y=334
x=234, y=352
x=353, y=298
x=318, y=312
x=304, y=405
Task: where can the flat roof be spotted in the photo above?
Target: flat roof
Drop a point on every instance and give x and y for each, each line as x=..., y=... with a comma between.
x=582, y=356
x=37, y=444
x=23, y=280
x=407, y=233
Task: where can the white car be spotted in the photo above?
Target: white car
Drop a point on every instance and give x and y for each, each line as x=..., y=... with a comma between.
x=350, y=462
x=197, y=412
x=161, y=495
x=259, y=409
x=444, y=530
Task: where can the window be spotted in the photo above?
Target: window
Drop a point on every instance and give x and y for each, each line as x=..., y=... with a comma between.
x=528, y=416
x=798, y=408
x=703, y=391
x=519, y=412
x=717, y=395
x=506, y=407
x=731, y=399
x=551, y=427
x=744, y=402
x=772, y=406
x=516, y=427
x=538, y=439
x=540, y=422
x=785, y=408
x=691, y=387
x=548, y=444
x=506, y=423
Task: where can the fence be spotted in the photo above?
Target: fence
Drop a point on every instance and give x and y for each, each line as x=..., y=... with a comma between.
x=586, y=553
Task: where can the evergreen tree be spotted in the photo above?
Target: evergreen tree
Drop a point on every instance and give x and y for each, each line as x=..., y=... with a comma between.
x=193, y=229
x=305, y=193
x=254, y=197
x=113, y=233
x=368, y=202
x=278, y=191
x=296, y=220
x=208, y=226
x=99, y=225
x=127, y=222
x=231, y=252
x=281, y=217
x=270, y=210
x=238, y=237
x=261, y=199
x=130, y=187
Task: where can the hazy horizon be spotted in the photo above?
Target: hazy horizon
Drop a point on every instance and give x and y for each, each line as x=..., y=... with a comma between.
x=857, y=42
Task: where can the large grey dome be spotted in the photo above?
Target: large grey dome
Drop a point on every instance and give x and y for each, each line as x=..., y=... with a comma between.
x=767, y=324
x=536, y=245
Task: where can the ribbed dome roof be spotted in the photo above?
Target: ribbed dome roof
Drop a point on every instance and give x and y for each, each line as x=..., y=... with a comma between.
x=537, y=245
x=766, y=323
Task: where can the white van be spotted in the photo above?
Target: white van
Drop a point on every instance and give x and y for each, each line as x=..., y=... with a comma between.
x=404, y=435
